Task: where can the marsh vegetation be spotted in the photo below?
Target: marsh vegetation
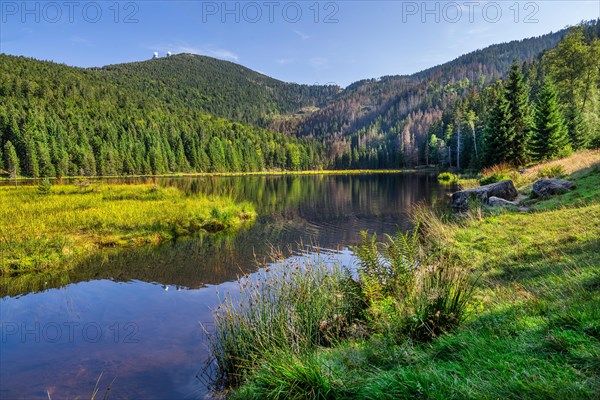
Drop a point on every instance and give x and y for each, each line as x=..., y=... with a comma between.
x=46, y=226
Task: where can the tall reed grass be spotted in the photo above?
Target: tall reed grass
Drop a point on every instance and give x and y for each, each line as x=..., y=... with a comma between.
x=292, y=307
x=269, y=332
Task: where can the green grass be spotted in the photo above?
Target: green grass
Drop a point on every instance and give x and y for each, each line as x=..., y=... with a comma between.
x=533, y=329
x=447, y=178
x=40, y=231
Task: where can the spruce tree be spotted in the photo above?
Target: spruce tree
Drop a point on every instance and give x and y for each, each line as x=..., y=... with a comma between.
x=574, y=66
x=11, y=160
x=550, y=137
x=499, y=132
x=216, y=152
x=520, y=116
x=577, y=127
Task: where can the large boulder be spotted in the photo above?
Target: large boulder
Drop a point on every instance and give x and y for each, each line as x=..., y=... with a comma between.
x=550, y=187
x=504, y=190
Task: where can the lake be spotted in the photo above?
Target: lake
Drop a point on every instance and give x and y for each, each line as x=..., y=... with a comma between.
x=139, y=317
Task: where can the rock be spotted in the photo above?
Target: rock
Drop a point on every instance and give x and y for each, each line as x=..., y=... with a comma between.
x=498, y=202
x=550, y=187
x=503, y=190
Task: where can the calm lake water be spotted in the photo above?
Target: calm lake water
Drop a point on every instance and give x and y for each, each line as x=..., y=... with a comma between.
x=135, y=316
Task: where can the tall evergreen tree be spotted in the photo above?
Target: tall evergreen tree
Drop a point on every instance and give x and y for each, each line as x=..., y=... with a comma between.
x=578, y=129
x=499, y=132
x=520, y=115
x=550, y=138
x=574, y=66
x=11, y=160
x=216, y=153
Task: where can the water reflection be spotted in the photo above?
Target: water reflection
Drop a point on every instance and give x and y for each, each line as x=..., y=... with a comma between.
x=166, y=291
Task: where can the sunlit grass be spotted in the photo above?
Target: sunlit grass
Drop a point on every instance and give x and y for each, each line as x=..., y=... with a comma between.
x=577, y=162
x=39, y=231
x=533, y=330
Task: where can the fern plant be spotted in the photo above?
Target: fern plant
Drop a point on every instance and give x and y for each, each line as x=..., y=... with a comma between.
x=388, y=268
x=407, y=296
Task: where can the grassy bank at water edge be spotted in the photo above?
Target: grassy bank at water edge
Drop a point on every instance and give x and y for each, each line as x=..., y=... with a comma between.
x=41, y=230
x=497, y=304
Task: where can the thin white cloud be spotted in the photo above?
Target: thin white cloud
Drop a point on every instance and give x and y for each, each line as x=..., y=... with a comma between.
x=222, y=53
x=284, y=61
x=302, y=35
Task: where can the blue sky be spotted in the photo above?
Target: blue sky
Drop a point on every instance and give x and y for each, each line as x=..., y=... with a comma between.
x=302, y=41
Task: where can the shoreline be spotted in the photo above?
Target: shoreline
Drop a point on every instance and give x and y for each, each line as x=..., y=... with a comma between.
x=529, y=307
x=235, y=174
x=48, y=230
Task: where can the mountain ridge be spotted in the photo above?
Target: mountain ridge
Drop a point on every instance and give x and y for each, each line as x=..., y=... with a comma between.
x=187, y=113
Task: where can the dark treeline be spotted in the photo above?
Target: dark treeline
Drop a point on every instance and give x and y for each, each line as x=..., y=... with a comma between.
x=188, y=113
x=57, y=121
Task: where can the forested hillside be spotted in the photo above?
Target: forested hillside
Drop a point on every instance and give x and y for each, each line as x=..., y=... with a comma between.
x=383, y=122
x=217, y=87
x=411, y=120
x=188, y=113
x=57, y=120
x=543, y=109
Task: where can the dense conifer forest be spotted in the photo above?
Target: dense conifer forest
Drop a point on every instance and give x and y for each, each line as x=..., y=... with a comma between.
x=57, y=121
x=515, y=103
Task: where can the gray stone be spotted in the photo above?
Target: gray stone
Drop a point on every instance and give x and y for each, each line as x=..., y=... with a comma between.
x=550, y=187
x=504, y=190
x=498, y=202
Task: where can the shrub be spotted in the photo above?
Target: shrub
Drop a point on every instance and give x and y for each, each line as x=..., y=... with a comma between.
x=447, y=178
x=556, y=171
x=440, y=301
x=519, y=179
x=496, y=173
x=493, y=178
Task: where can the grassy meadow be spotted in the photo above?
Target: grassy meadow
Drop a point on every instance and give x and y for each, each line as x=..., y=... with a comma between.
x=42, y=228
x=501, y=303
